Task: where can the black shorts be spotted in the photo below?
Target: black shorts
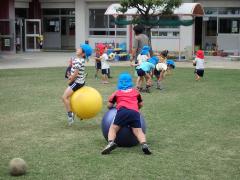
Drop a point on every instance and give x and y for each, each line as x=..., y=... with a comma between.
x=98, y=65
x=75, y=86
x=127, y=118
x=157, y=73
x=199, y=72
x=141, y=72
x=105, y=71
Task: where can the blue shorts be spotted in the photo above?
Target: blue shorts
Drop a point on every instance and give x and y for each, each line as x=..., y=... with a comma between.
x=127, y=117
x=75, y=86
x=98, y=65
x=141, y=72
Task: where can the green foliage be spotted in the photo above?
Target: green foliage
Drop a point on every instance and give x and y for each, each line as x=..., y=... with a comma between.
x=144, y=6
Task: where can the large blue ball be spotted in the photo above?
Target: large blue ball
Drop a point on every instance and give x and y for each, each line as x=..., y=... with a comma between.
x=125, y=136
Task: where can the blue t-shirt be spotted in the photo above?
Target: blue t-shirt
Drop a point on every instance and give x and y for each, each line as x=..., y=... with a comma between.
x=146, y=66
x=154, y=60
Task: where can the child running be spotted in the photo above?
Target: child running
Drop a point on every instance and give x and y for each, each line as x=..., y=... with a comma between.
x=128, y=102
x=199, y=63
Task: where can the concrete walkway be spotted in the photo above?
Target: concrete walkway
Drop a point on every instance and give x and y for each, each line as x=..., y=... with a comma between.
x=60, y=59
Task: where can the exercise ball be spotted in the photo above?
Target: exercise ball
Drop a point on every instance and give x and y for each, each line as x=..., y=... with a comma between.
x=17, y=167
x=86, y=102
x=125, y=136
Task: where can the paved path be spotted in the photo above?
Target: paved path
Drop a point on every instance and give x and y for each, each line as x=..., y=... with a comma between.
x=60, y=59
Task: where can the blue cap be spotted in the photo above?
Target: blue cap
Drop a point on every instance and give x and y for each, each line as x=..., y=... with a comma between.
x=171, y=62
x=124, y=81
x=145, y=50
x=87, y=49
x=154, y=60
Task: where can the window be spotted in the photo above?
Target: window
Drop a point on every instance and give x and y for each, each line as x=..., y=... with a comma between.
x=229, y=25
x=51, y=24
x=166, y=32
x=102, y=25
x=211, y=27
x=211, y=11
x=230, y=11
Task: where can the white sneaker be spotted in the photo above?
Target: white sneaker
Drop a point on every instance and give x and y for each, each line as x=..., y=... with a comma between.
x=70, y=120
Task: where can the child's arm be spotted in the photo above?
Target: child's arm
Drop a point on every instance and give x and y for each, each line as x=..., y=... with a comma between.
x=133, y=64
x=98, y=58
x=140, y=101
x=112, y=100
x=73, y=76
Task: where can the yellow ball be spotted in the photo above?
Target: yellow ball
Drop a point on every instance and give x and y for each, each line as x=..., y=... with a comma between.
x=86, y=102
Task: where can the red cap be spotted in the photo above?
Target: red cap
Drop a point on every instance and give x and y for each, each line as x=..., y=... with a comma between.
x=200, y=54
x=100, y=47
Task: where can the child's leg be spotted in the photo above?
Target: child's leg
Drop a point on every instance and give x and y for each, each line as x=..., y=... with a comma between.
x=111, y=137
x=109, y=75
x=139, y=134
x=66, y=98
x=148, y=82
x=113, y=132
x=142, y=140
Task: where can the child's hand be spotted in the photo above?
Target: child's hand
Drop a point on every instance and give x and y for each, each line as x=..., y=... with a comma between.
x=70, y=79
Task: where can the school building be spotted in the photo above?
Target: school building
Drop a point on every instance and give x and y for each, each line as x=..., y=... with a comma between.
x=64, y=24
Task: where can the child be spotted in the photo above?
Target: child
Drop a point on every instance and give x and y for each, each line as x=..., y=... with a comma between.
x=105, y=66
x=170, y=66
x=161, y=68
x=99, y=47
x=143, y=71
x=128, y=102
x=77, y=78
x=199, y=63
x=154, y=60
x=143, y=68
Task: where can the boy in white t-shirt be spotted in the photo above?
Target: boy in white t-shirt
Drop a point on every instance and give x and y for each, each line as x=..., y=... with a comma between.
x=104, y=64
x=199, y=63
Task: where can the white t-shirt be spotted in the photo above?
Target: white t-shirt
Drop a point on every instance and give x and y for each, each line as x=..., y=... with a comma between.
x=199, y=63
x=142, y=58
x=161, y=66
x=104, y=62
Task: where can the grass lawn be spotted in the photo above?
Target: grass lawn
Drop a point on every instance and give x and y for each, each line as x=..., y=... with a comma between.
x=193, y=128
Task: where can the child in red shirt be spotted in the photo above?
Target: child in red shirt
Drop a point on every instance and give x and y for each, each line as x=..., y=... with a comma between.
x=128, y=102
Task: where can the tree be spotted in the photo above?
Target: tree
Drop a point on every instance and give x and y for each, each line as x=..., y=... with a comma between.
x=149, y=9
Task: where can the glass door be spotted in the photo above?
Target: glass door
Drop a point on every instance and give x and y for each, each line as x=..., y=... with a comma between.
x=32, y=34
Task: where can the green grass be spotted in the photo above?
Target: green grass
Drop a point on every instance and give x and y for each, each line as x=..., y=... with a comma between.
x=193, y=128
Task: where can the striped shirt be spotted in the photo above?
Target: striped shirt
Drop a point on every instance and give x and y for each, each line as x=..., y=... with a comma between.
x=78, y=64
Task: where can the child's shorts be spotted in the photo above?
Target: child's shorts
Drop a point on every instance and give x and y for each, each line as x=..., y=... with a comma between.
x=127, y=117
x=98, y=65
x=199, y=72
x=105, y=71
x=156, y=72
x=141, y=72
x=75, y=86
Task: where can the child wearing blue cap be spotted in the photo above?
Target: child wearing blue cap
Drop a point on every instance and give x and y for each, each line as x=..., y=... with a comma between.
x=170, y=66
x=128, y=102
x=76, y=80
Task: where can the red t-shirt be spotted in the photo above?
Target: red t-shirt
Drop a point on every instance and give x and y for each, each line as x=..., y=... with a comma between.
x=126, y=98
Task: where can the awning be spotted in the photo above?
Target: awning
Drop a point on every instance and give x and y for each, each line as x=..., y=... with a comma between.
x=186, y=9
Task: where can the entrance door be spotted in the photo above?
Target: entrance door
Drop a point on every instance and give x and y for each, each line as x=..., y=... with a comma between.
x=19, y=34
x=32, y=34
